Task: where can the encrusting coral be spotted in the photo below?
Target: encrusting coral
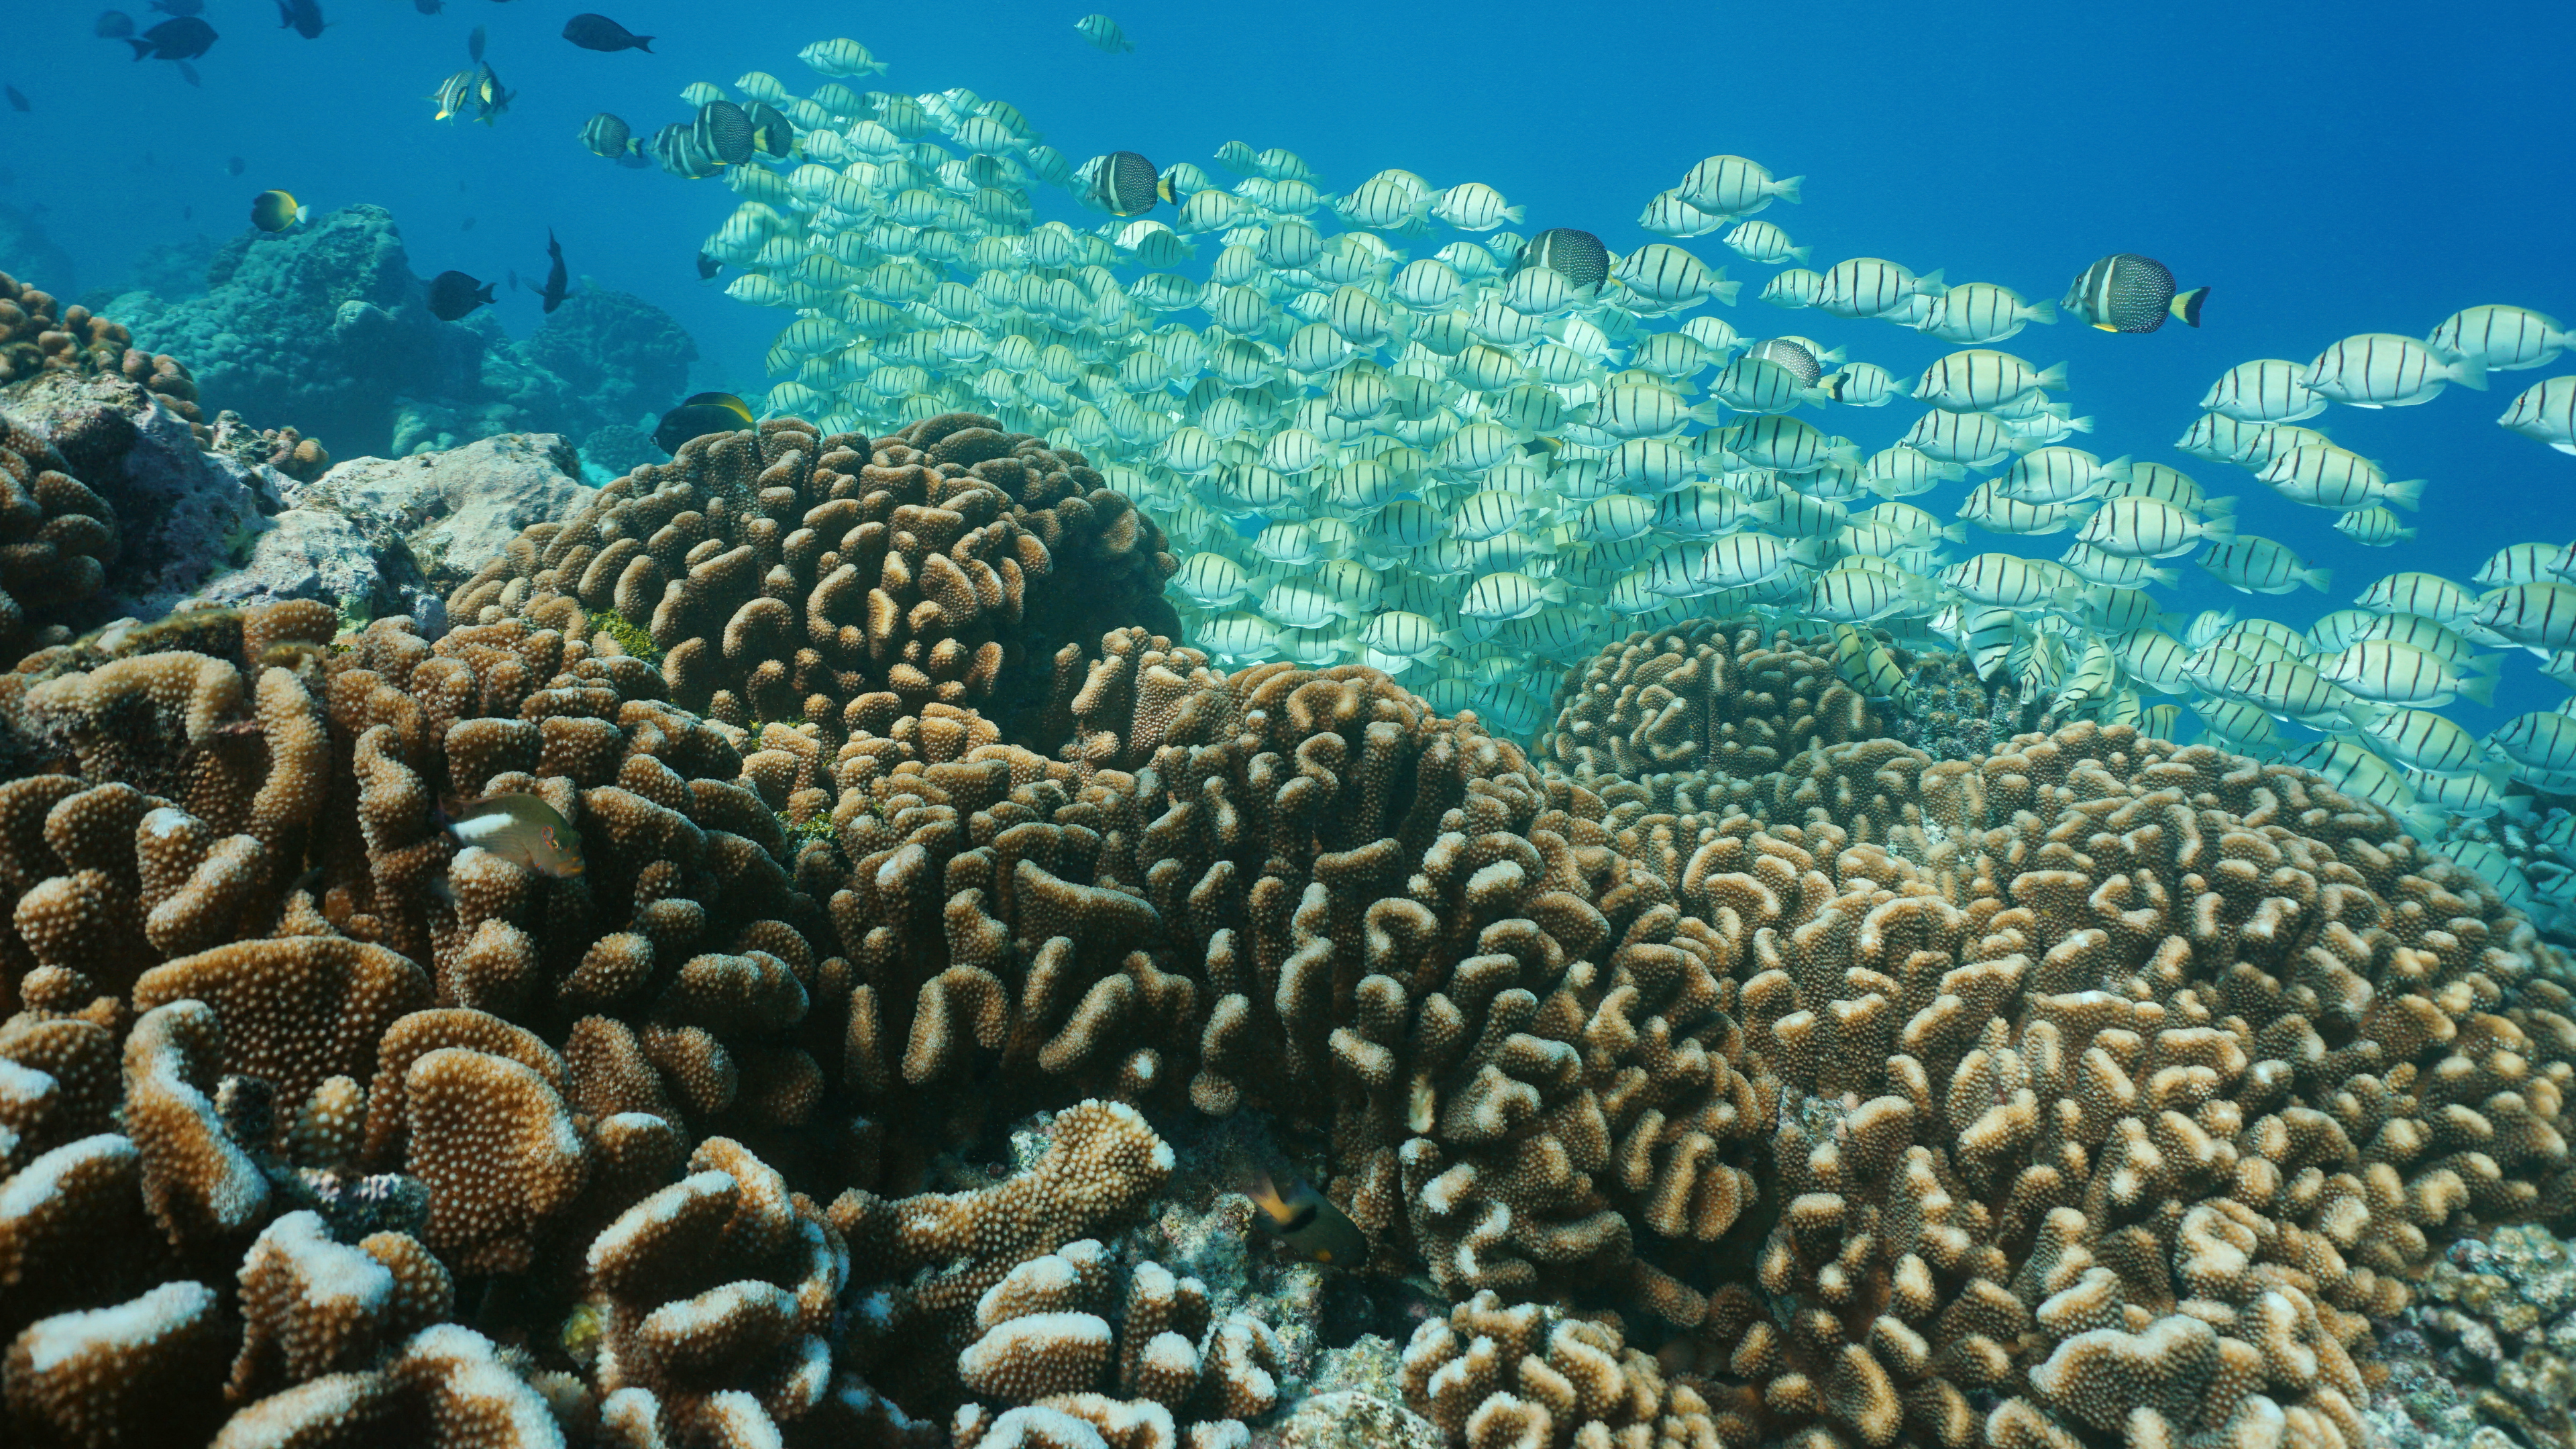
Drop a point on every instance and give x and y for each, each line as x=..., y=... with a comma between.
x=788, y=576
x=57, y=537
x=2092, y=1090
x=38, y=336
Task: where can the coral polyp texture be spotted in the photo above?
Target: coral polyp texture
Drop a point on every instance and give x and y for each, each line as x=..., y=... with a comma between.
x=1723, y=1073
x=40, y=336
x=783, y=575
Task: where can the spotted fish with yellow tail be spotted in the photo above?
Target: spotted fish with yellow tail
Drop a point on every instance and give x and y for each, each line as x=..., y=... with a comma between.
x=1307, y=1222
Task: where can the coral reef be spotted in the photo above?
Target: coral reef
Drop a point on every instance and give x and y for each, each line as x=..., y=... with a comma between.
x=1692, y=717
x=2498, y=1315
x=1725, y=1072
x=39, y=338
x=325, y=328
x=787, y=576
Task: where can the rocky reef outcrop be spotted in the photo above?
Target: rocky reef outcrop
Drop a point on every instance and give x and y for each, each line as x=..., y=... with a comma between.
x=327, y=328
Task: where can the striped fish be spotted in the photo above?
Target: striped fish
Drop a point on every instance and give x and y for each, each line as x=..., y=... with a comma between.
x=1735, y=185
x=1974, y=440
x=2382, y=369
x=2330, y=477
x=2246, y=728
x=2060, y=475
x=1980, y=312
x=2113, y=570
x=2152, y=528
x=2475, y=794
x=1989, y=509
x=1866, y=665
x=2523, y=563
x=2354, y=770
x=2115, y=609
x=1751, y=384
x=1791, y=445
x=1668, y=277
x=1646, y=465
x=2264, y=391
x=2423, y=740
x=1983, y=378
x=2540, y=616
x=2253, y=564
x=1797, y=287
x=2394, y=673
x=1509, y=595
x=1736, y=561
x=2373, y=527
x=2282, y=687
x=2429, y=635
x=1864, y=385
x=2430, y=595
x=1985, y=635
x=1868, y=286
x=1764, y=242
x=1617, y=517
x=1404, y=635
x=2545, y=411
x=2506, y=339
x=2095, y=675
x=2156, y=659
x=2011, y=581
x=2264, y=639
x=1669, y=215
x=2542, y=747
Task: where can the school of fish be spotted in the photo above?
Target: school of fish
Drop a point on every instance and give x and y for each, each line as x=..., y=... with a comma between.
x=1471, y=460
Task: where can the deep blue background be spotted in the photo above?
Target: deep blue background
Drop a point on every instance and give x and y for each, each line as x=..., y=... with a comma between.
x=2327, y=168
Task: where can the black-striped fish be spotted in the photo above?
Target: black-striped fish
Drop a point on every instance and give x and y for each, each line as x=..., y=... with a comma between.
x=2125, y=292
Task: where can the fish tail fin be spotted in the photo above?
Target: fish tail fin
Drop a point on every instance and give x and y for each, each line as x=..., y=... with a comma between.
x=2052, y=377
x=2220, y=528
x=142, y=48
x=2080, y=425
x=1515, y=214
x=2166, y=577
x=644, y=43
x=2043, y=312
x=1726, y=293
x=1956, y=532
x=1787, y=188
x=2187, y=305
x=2321, y=580
x=2408, y=495
x=2470, y=372
x=2479, y=689
x=2218, y=507
x=1799, y=254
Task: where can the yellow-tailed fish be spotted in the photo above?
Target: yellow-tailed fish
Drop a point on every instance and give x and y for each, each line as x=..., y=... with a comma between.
x=1307, y=1222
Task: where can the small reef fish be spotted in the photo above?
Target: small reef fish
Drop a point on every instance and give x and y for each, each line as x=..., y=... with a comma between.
x=609, y=136
x=113, y=25
x=557, y=282
x=17, y=101
x=184, y=38
x=708, y=267
x=2125, y=292
x=234, y=166
x=521, y=828
x=304, y=17
x=1307, y=1222
x=275, y=211
x=1577, y=256
x=702, y=413
x=478, y=90
x=1104, y=34
x=453, y=294
x=842, y=57
x=598, y=32
x=1123, y=183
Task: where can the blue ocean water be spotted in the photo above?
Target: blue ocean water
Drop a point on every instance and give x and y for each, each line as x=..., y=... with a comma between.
x=2327, y=169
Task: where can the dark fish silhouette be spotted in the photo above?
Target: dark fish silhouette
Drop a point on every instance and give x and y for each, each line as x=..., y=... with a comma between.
x=703, y=413
x=180, y=7
x=453, y=294
x=558, y=284
x=184, y=38
x=233, y=167
x=113, y=25
x=1124, y=184
x=427, y=7
x=474, y=43
x=708, y=267
x=304, y=17
x=1577, y=256
x=275, y=211
x=598, y=32
x=188, y=73
x=17, y=102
